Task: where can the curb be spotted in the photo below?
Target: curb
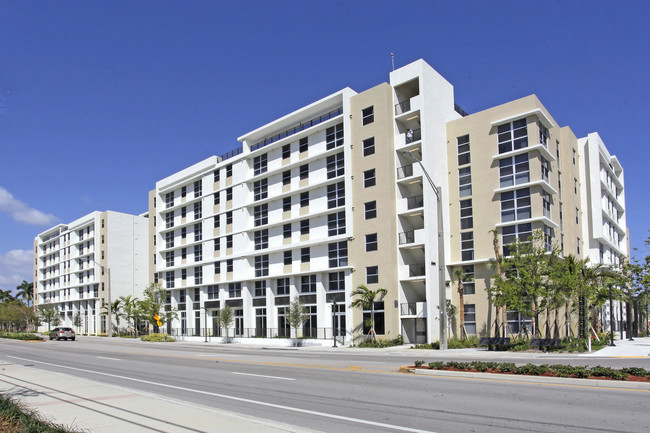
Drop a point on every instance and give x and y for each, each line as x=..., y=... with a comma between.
x=541, y=380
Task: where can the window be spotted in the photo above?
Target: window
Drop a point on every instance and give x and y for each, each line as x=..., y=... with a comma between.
x=198, y=253
x=169, y=240
x=577, y=216
x=216, y=197
x=261, y=214
x=198, y=189
x=169, y=220
x=169, y=280
x=465, y=181
x=334, y=136
x=260, y=189
x=370, y=210
x=469, y=317
x=336, y=224
x=217, y=221
x=335, y=165
x=308, y=284
x=282, y=286
x=229, y=265
x=513, y=136
x=336, y=281
x=261, y=238
x=198, y=275
x=578, y=246
x=198, y=211
x=367, y=115
x=368, y=146
x=463, y=150
x=371, y=242
x=260, y=289
x=234, y=290
x=575, y=185
x=372, y=275
x=228, y=194
x=184, y=253
x=262, y=265
x=229, y=170
x=217, y=268
x=468, y=282
x=573, y=156
x=183, y=232
x=286, y=151
x=510, y=234
x=335, y=195
x=379, y=319
x=169, y=258
x=213, y=292
x=304, y=227
x=260, y=164
x=184, y=192
x=548, y=237
x=286, y=177
x=288, y=258
x=182, y=296
x=303, y=145
x=286, y=204
x=183, y=212
x=286, y=231
x=545, y=169
x=198, y=232
x=217, y=244
x=216, y=175
x=467, y=246
x=305, y=255
x=338, y=254
x=304, y=171
x=546, y=204
x=543, y=134
x=466, y=219
x=515, y=205
x=304, y=199
x=369, y=178
x=514, y=170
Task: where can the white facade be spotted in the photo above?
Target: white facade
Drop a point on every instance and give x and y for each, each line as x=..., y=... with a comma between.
x=71, y=263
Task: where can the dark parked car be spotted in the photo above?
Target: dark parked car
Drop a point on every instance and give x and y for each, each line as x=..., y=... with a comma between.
x=62, y=334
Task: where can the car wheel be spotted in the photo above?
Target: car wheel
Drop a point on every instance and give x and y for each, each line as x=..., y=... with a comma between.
x=72, y=339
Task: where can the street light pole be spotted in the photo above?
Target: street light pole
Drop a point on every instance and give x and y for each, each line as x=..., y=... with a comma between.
x=108, y=295
x=611, y=318
x=442, y=298
x=334, y=327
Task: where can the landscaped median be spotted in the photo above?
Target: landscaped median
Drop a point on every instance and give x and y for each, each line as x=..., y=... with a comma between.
x=25, y=336
x=508, y=370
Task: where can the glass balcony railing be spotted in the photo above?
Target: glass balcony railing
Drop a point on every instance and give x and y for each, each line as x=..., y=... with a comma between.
x=406, y=237
x=415, y=202
x=418, y=270
x=402, y=107
x=405, y=171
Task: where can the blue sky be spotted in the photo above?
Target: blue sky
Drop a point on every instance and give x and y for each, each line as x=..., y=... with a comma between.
x=99, y=100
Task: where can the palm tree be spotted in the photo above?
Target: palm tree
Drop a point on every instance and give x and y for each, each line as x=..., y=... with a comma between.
x=116, y=306
x=499, y=271
x=460, y=277
x=366, y=301
x=130, y=305
x=25, y=291
x=5, y=296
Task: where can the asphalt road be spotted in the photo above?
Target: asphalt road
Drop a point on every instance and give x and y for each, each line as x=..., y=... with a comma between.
x=343, y=392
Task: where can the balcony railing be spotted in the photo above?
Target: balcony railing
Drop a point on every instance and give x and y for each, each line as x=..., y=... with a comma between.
x=405, y=171
x=415, y=202
x=418, y=270
x=402, y=107
x=406, y=237
x=412, y=309
x=416, y=136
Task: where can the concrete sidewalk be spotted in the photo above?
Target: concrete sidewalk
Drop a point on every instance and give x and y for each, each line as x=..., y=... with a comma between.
x=99, y=408
x=640, y=347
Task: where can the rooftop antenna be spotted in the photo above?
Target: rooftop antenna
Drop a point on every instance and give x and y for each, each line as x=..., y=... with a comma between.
x=392, y=59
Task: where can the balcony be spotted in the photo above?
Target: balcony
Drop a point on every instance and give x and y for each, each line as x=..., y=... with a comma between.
x=405, y=171
x=414, y=202
x=406, y=237
x=417, y=270
x=413, y=309
x=402, y=107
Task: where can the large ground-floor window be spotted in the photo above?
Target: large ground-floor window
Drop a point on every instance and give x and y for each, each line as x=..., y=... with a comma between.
x=380, y=327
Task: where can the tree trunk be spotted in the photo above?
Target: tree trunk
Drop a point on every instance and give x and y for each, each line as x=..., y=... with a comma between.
x=461, y=312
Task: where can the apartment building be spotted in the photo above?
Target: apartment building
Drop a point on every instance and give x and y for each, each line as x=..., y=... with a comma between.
x=394, y=187
x=83, y=265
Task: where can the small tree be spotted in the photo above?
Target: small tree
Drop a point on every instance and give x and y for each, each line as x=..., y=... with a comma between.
x=77, y=321
x=296, y=316
x=154, y=305
x=116, y=311
x=461, y=277
x=50, y=315
x=225, y=318
x=130, y=305
x=366, y=299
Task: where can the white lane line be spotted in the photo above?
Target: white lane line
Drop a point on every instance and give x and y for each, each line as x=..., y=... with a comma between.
x=112, y=359
x=261, y=375
x=244, y=400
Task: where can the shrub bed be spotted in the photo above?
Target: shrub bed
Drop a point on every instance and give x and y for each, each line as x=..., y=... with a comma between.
x=26, y=336
x=16, y=419
x=158, y=338
x=382, y=342
x=557, y=370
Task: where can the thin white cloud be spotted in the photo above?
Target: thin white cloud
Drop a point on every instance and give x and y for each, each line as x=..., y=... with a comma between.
x=16, y=266
x=20, y=212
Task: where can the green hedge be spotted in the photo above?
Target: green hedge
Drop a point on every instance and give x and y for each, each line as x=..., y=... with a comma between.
x=27, y=336
x=158, y=338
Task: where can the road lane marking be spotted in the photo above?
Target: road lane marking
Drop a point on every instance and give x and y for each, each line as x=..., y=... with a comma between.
x=112, y=359
x=240, y=399
x=261, y=375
